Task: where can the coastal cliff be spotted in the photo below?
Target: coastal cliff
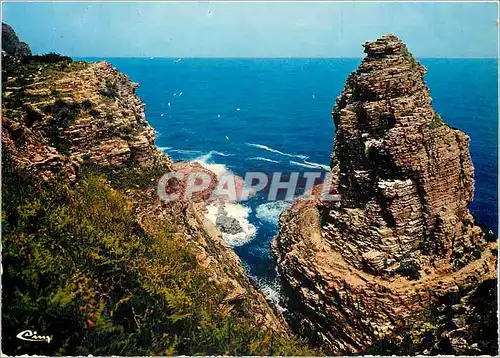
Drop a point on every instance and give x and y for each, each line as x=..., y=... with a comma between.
x=401, y=241
x=91, y=255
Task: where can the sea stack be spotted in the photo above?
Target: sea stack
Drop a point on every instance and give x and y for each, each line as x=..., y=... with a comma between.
x=401, y=237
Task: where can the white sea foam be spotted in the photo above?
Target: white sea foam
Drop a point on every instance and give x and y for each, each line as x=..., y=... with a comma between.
x=164, y=149
x=310, y=165
x=271, y=290
x=238, y=212
x=263, y=159
x=325, y=167
x=272, y=150
x=185, y=151
x=218, y=169
x=205, y=157
x=221, y=154
x=270, y=212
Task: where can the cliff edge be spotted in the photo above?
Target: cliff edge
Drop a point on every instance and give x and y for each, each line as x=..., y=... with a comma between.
x=401, y=238
x=92, y=257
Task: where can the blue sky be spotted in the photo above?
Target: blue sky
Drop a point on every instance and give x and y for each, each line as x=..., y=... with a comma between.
x=293, y=29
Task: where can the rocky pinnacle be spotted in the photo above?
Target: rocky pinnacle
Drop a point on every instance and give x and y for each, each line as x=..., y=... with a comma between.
x=402, y=234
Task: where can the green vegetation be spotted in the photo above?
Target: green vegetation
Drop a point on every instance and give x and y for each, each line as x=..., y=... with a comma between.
x=37, y=69
x=110, y=89
x=47, y=58
x=62, y=115
x=409, y=269
x=87, y=104
x=79, y=267
x=437, y=121
x=407, y=54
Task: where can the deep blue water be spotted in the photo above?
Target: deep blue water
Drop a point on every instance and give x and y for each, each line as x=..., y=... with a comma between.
x=285, y=104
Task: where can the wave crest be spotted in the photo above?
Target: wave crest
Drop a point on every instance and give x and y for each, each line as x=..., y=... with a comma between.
x=238, y=212
x=263, y=159
x=270, y=212
x=310, y=165
x=276, y=151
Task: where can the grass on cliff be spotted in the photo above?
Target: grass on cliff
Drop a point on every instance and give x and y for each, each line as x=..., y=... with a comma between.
x=437, y=121
x=409, y=57
x=77, y=266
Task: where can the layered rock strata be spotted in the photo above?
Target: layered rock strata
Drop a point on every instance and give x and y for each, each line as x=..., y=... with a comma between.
x=71, y=120
x=402, y=234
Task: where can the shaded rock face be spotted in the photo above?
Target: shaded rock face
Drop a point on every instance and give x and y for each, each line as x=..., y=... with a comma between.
x=402, y=234
x=11, y=43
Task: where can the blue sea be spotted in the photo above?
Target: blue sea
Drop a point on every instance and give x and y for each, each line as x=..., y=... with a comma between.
x=275, y=115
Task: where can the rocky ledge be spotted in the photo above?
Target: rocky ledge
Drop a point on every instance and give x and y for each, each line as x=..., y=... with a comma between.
x=402, y=237
x=75, y=113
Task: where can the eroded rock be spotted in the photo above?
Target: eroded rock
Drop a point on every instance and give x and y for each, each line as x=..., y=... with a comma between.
x=356, y=272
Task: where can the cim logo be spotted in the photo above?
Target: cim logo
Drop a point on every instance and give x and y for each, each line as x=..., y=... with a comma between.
x=32, y=336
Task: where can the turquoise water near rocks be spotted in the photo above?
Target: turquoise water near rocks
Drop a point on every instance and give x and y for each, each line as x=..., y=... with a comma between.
x=274, y=115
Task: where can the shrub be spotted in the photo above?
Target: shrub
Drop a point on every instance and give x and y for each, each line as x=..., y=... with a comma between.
x=62, y=116
x=437, y=121
x=110, y=89
x=409, y=57
x=94, y=113
x=47, y=58
x=409, y=269
x=87, y=104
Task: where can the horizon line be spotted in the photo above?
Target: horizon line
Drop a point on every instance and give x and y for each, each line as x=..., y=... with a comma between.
x=272, y=57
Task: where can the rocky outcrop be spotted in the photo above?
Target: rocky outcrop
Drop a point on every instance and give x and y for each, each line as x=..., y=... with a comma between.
x=402, y=234
x=11, y=45
x=66, y=120
x=227, y=223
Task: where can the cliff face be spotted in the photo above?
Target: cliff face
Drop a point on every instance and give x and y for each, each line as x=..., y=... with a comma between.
x=138, y=275
x=402, y=236
x=11, y=44
x=75, y=114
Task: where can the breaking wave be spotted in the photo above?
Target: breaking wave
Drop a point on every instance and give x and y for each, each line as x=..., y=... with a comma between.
x=272, y=150
x=263, y=159
x=185, y=151
x=218, y=169
x=323, y=166
x=238, y=212
x=270, y=289
x=270, y=212
x=310, y=165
